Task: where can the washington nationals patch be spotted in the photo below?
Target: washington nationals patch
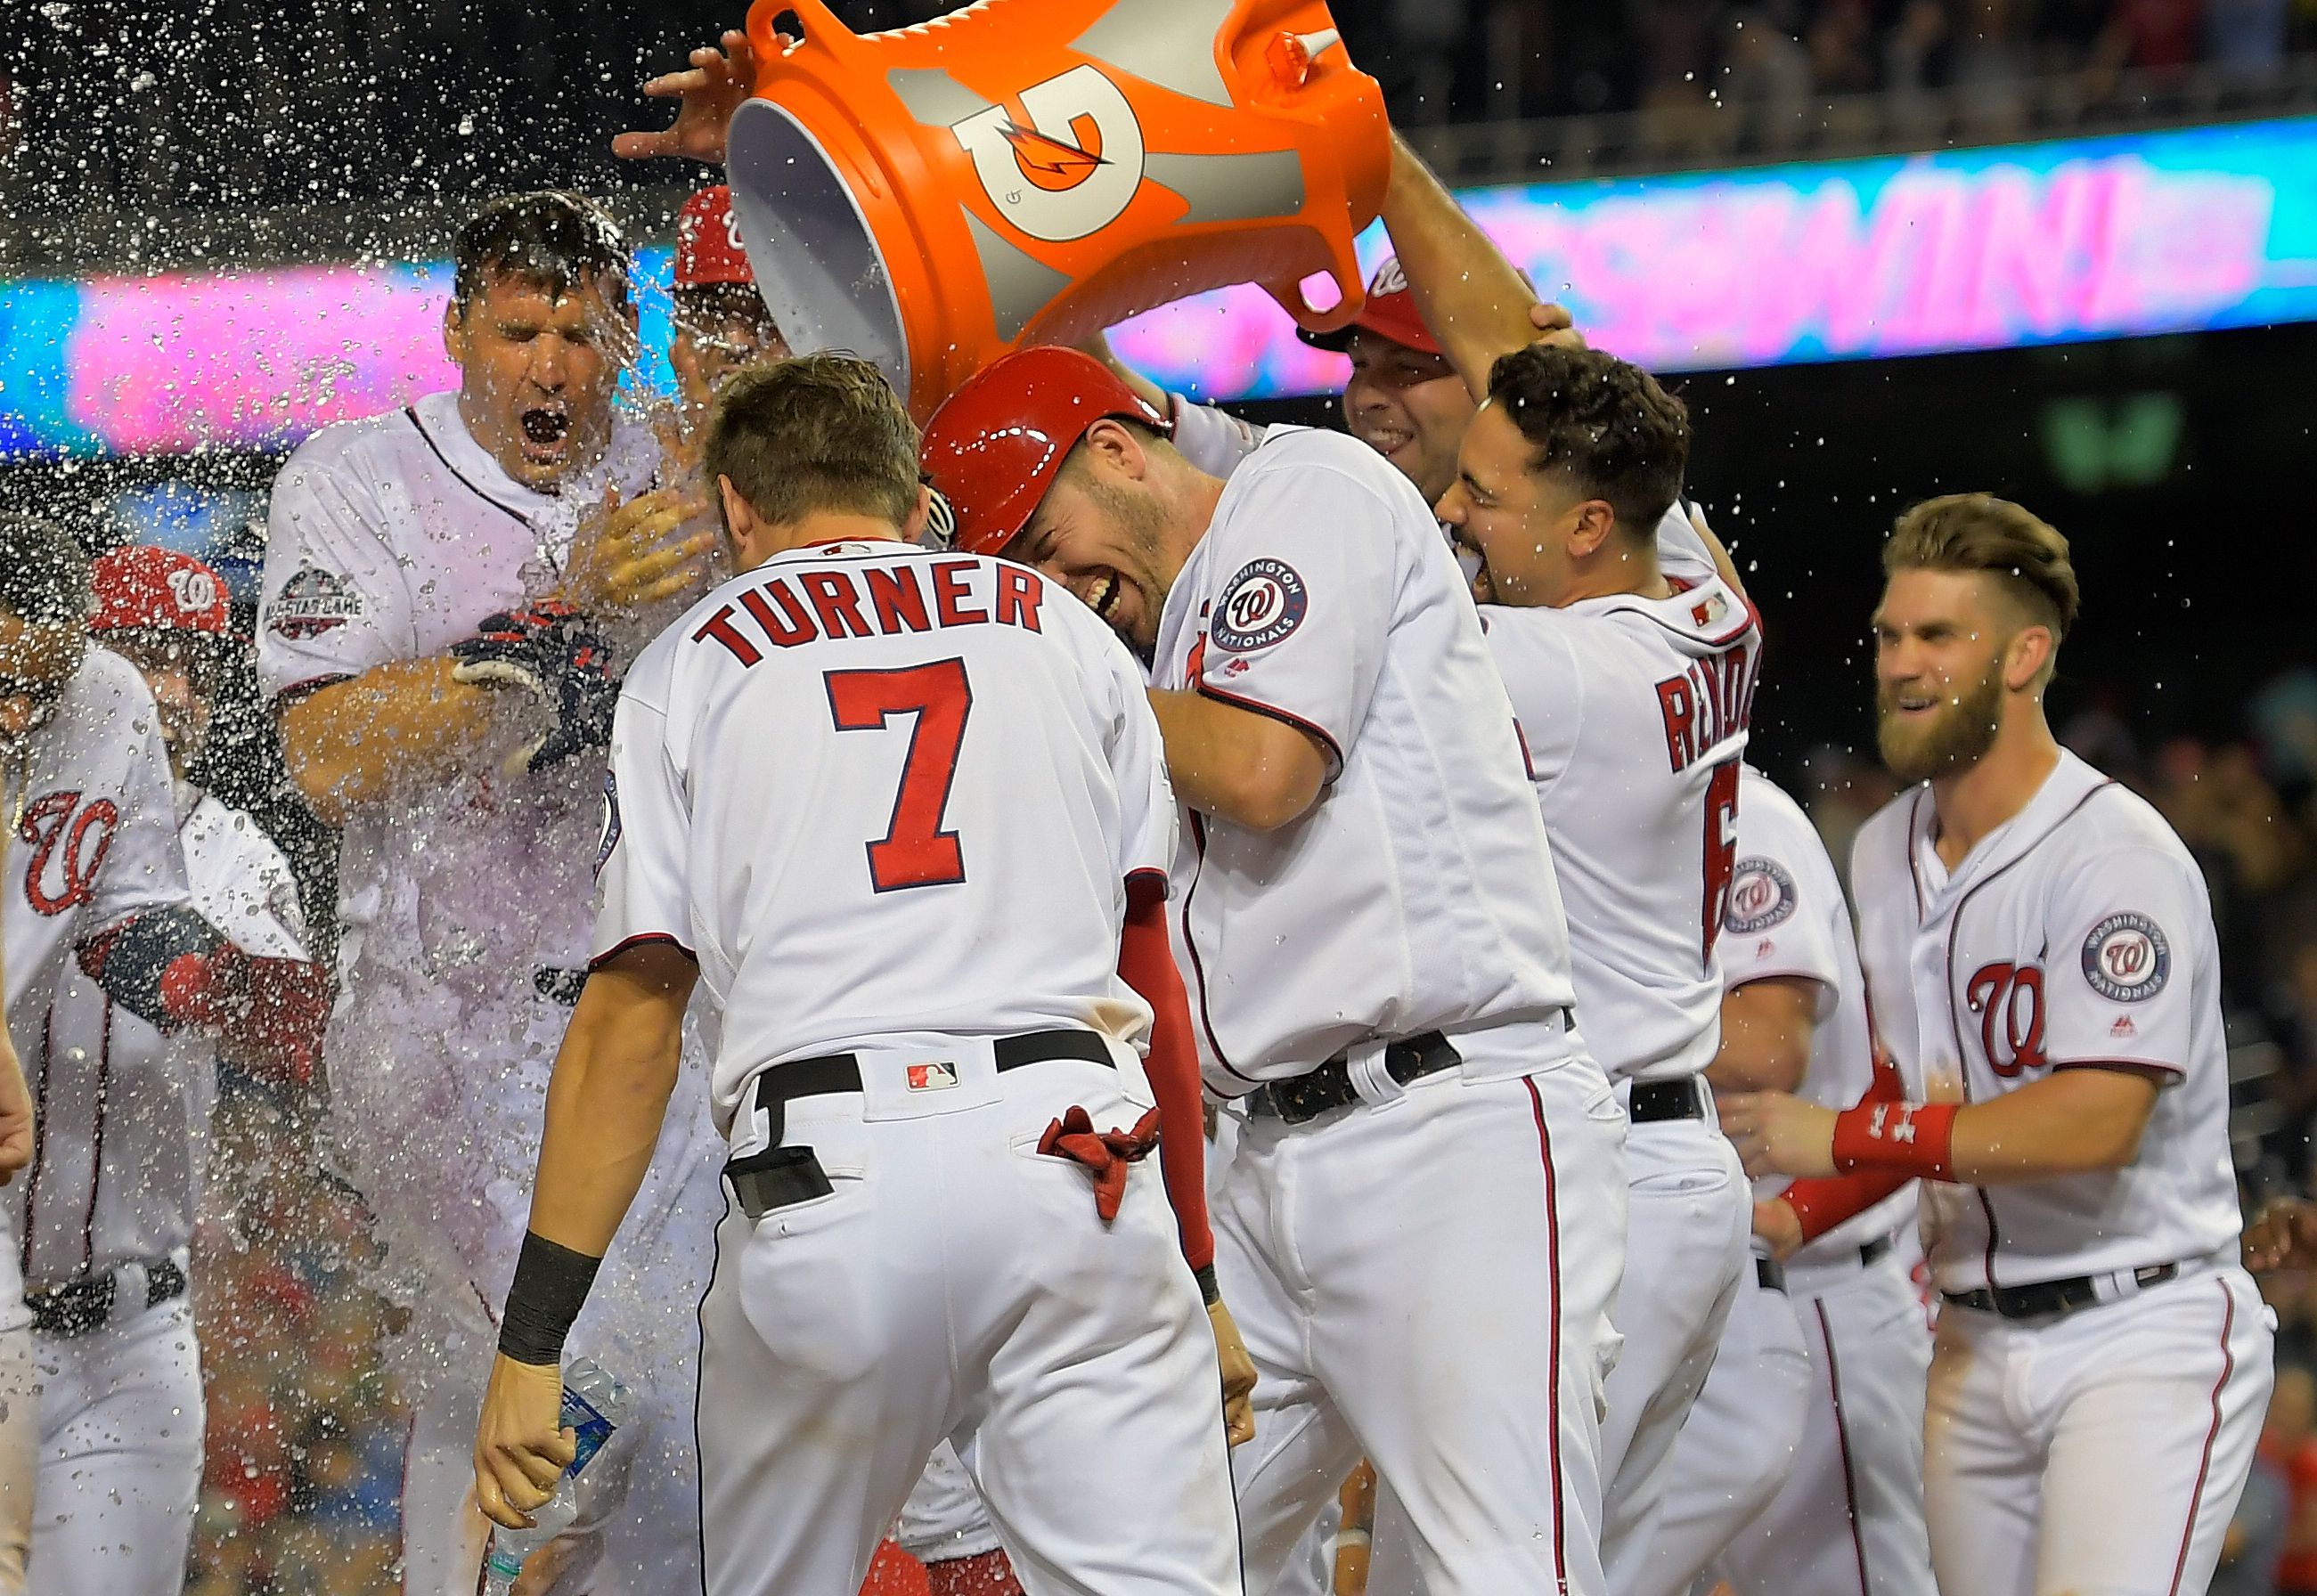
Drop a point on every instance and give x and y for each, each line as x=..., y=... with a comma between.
x=1761, y=896
x=2127, y=959
x=1259, y=606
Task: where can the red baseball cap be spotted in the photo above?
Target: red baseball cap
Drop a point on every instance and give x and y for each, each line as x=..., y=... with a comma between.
x=994, y=446
x=1390, y=313
x=141, y=588
x=708, y=242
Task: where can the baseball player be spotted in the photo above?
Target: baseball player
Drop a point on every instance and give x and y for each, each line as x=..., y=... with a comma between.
x=96, y=902
x=1830, y=1408
x=123, y=1111
x=930, y=978
x=1632, y=687
x=443, y=593
x=1366, y=907
x=2038, y=944
x=720, y=323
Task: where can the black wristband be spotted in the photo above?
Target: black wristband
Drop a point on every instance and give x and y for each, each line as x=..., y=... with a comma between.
x=1209, y=1291
x=550, y=1285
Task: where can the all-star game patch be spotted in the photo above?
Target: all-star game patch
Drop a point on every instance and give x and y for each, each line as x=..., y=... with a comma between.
x=1761, y=896
x=311, y=602
x=2127, y=959
x=611, y=822
x=1259, y=607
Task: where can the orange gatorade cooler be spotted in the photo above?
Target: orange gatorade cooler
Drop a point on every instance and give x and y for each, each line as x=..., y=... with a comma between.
x=1032, y=171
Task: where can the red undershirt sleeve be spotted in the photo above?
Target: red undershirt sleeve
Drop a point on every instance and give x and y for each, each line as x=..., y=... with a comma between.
x=1147, y=963
x=1821, y=1204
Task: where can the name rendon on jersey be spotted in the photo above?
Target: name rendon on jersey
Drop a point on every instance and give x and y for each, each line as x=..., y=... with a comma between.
x=791, y=607
x=1711, y=701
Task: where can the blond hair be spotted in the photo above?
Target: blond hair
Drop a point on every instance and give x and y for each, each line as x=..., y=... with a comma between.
x=1981, y=533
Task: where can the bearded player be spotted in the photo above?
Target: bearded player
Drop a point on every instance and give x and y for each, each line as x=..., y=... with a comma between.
x=2041, y=962
x=446, y=593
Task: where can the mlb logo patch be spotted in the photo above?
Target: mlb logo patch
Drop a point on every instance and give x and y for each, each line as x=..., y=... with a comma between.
x=1708, y=610
x=932, y=1077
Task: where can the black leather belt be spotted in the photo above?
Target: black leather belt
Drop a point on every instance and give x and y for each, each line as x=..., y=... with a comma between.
x=1770, y=1274
x=1329, y=1087
x=1653, y=1101
x=79, y=1307
x=779, y=1176
x=2050, y=1297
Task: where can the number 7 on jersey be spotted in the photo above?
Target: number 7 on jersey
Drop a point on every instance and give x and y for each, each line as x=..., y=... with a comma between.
x=915, y=851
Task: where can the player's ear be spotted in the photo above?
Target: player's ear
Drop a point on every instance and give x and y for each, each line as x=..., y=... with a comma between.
x=740, y=519
x=454, y=333
x=1595, y=524
x=1115, y=445
x=913, y=525
x=2028, y=658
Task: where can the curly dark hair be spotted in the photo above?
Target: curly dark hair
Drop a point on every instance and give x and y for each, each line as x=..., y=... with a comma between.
x=1602, y=422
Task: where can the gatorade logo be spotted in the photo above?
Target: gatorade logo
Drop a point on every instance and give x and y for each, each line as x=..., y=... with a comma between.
x=1072, y=170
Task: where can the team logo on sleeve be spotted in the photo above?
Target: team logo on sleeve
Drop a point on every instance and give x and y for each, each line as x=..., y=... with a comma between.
x=311, y=602
x=1259, y=606
x=611, y=822
x=2126, y=958
x=1761, y=896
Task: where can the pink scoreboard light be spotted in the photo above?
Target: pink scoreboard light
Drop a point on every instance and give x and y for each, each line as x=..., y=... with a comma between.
x=2079, y=239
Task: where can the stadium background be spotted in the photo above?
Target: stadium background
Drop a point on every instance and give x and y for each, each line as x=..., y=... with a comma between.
x=2099, y=299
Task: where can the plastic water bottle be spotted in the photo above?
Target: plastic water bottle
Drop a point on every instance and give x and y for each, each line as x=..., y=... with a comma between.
x=594, y=1404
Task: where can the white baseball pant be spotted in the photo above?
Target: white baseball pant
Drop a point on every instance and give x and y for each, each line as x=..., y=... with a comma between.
x=120, y=1455
x=1424, y=1278
x=1850, y=1521
x=1690, y=1215
x=2099, y=1453
x=944, y=1517
x=1739, y=1443
x=957, y=1282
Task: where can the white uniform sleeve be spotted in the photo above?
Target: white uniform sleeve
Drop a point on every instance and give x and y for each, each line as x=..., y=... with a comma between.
x=243, y=886
x=1298, y=629
x=1147, y=815
x=2122, y=933
x=334, y=602
x=143, y=867
x=1774, y=926
x=1213, y=440
x=646, y=832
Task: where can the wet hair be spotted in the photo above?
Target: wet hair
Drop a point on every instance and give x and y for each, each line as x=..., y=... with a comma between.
x=818, y=432
x=1603, y=423
x=553, y=238
x=1981, y=533
x=43, y=571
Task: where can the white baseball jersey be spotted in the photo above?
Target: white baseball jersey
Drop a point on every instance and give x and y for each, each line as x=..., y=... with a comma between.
x=1418, y=893
x=91, y=842
x=123, y=1110
x=1787, y=918
x=1633, y=714
x=2077, y=933
x=880, y=791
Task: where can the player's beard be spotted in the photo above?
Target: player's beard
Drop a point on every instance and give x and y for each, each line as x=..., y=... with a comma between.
x=1952, y=739
x=1141, y=522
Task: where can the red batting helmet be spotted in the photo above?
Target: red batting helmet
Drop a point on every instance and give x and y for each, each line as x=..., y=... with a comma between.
x=1390, y=313
x=141, y=588
x=994, y=446
x=707, y=242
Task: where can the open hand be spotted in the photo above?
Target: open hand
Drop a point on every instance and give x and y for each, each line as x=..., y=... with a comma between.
x=2285, y=1236
x=623, y=560
x=717, y=84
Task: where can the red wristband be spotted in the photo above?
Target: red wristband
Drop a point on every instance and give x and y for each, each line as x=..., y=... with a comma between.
x=1911, y=1137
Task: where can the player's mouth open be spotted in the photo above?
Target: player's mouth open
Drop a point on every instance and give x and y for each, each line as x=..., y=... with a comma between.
x=544, y=430
x=1387, y=441
x=1103, y=597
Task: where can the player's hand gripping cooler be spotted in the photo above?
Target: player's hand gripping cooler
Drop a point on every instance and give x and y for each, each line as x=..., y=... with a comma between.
x=1033, y=170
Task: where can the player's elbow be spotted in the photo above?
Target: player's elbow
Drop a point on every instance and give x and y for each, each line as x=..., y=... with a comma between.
x=321, y=781
x=1769, y=1061
x=1268, y=794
